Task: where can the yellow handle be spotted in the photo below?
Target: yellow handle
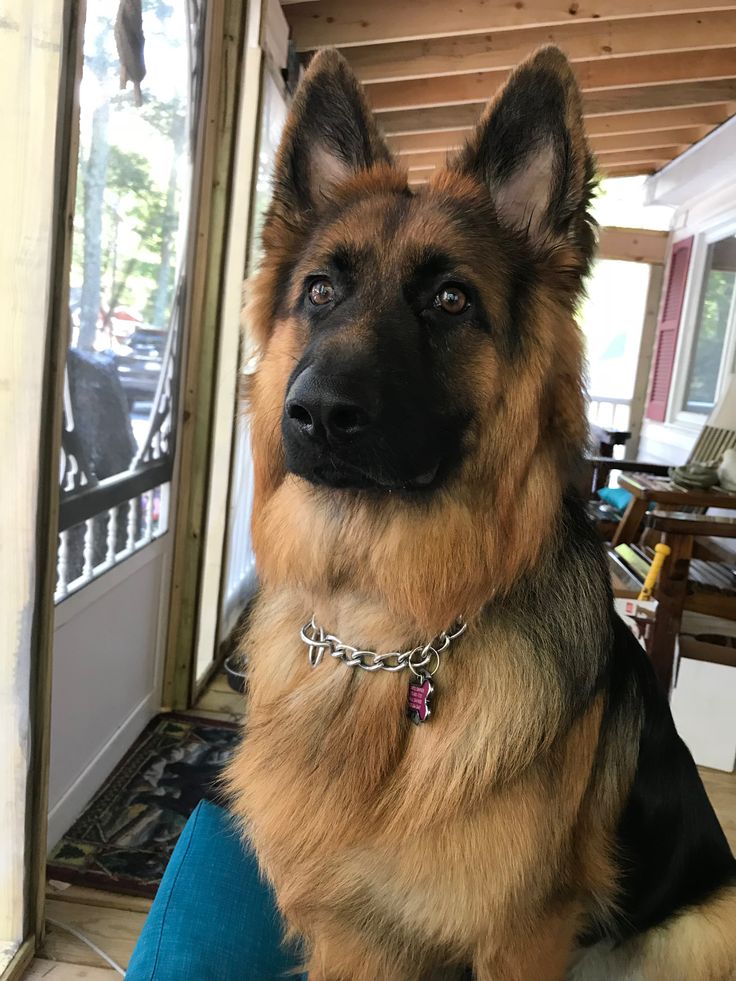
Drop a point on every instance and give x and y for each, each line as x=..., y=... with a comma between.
x=660, y=554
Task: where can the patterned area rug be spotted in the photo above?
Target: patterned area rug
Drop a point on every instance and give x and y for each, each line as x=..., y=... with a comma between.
x=124, y=839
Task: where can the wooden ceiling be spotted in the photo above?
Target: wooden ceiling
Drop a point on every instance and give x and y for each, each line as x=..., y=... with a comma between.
x=656, y=76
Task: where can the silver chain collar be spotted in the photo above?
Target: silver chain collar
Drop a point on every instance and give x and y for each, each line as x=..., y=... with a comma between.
x=319, y=643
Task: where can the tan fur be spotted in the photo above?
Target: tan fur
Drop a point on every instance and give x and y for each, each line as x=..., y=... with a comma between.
x=352, y=821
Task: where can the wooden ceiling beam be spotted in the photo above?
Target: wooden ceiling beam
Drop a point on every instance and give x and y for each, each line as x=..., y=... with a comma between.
x=505, y=49
x=632, y=245
x=593, y=76
x=345, y=22
x=628, y=102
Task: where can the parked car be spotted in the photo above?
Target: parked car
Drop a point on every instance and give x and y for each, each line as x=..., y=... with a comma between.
x=139, y=363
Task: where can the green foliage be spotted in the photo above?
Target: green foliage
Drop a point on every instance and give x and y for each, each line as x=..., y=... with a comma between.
x=139, y=192
x=706, y=361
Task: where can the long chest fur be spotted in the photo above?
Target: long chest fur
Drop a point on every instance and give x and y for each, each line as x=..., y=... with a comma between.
x=466, y=820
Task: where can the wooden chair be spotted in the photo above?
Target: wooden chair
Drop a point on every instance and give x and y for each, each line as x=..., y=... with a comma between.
x=649, y=482
x=687, y=582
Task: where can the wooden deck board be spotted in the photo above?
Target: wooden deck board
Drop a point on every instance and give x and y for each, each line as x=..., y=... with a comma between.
x=96, y=897
x=229, y=702
x=57, y=971
x=113, y=930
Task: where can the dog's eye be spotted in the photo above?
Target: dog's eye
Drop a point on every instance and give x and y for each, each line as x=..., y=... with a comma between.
x=321, y=291
x=451, y=299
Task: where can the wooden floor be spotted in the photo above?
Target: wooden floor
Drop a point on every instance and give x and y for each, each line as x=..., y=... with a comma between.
x=113, y=922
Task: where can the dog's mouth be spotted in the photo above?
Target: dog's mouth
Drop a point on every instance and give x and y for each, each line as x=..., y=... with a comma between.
x=347, y=476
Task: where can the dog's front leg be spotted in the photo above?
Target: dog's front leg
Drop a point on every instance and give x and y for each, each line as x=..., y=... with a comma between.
x=338, y=954
x=544, y=955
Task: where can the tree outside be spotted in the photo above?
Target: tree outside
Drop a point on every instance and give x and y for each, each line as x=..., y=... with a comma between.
x=717, y=304
x=132, y=172
x=130, y=216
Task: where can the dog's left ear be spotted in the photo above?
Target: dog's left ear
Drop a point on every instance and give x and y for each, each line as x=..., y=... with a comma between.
x=330, y=134
x=530, y=149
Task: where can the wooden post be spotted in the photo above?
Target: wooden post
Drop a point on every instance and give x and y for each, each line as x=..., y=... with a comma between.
x=644, y=361
x=208, y=233
x=670, y=594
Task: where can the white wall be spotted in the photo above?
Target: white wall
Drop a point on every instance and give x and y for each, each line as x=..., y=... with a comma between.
x=30, y=38
x=701, y=186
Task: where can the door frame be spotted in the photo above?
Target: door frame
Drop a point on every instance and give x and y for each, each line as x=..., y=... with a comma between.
x=223, y=44
x=212, y=360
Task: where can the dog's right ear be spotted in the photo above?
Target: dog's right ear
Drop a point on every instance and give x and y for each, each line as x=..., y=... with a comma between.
x=330, y=134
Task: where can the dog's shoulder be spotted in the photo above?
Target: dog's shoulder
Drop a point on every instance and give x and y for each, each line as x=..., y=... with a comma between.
x=673, y=851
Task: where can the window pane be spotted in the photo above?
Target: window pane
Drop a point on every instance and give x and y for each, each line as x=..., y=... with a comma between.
x=714, y=316
x=126, y=285
x=133, y=177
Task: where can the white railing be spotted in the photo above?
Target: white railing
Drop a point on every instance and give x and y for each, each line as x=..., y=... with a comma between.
x=609, y=412
x=95, y=546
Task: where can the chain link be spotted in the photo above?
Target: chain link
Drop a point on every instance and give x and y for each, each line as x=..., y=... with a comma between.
x=320, y=643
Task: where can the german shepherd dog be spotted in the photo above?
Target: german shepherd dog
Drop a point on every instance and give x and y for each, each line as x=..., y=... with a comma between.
x=417, y=413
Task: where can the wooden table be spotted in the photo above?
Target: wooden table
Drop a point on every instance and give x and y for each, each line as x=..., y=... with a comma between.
x=668, y=496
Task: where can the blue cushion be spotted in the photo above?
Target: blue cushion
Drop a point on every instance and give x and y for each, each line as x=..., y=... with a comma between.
x=214, y=918
x=617, y=497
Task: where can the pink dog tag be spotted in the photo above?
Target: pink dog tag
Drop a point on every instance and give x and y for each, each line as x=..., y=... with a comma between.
x=418, y=699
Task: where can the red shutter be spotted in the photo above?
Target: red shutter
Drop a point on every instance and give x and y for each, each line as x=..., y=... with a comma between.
x=665, y=345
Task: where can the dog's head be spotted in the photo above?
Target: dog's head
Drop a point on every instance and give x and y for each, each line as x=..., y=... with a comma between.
x=421, y=343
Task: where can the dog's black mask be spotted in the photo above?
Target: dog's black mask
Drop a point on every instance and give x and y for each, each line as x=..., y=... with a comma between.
x=365, y=406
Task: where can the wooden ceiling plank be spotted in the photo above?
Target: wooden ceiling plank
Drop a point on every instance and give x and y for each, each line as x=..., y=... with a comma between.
x=638, y=156
x=675, y=95
x=599, y=75
x=631, y=170
x=614, y=101
x=659, y=119
x=657, y=151
x=416, y=144
x=432, y=162
x=428, y=142
x=622, y=170
x=416, y=160
x=418, y=178
x=345, y=22
x=465, y=54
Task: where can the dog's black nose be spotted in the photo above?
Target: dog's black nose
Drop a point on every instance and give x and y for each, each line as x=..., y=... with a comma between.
x=317, y=409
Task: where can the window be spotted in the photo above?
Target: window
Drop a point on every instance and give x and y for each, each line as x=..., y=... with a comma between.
x=126, y=283
x=714, y=327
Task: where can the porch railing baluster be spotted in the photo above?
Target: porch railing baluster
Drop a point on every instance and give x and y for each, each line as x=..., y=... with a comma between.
x=163, y=509
x=89, y=549
x=112, y=536
x=62, y=567
x=132, y=521
x=147, y=499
